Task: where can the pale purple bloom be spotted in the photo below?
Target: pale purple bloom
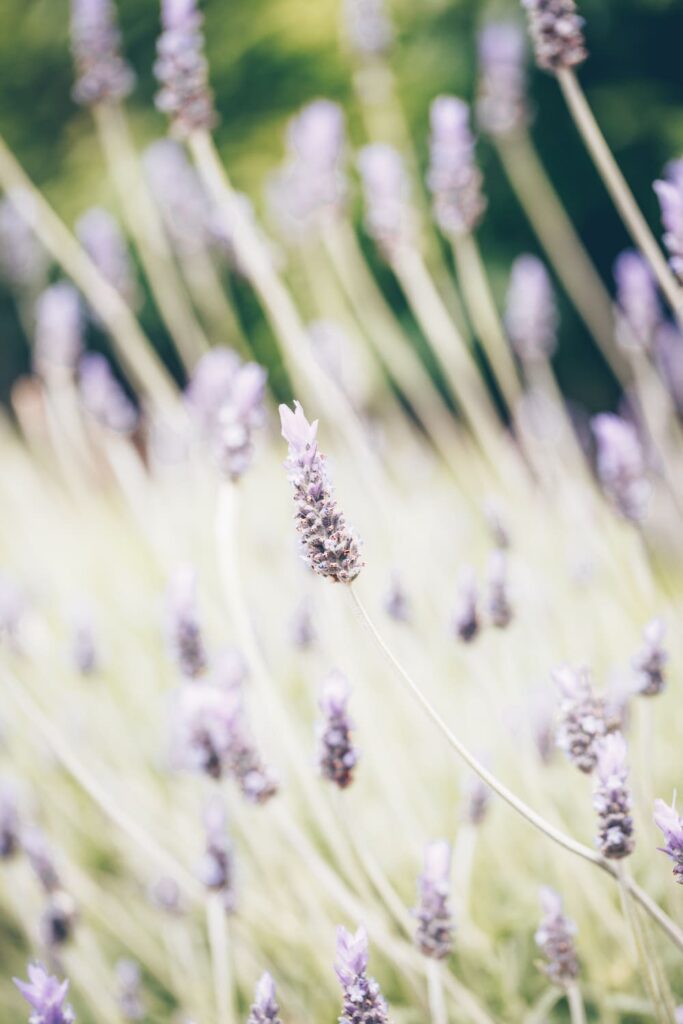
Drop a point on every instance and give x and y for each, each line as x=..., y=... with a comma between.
x=650, y=660
x=368, y=27
x=584, y=718
x=47, y=997
x=557, y=33
x=176, y=188
x=555, y=939
x=59, y=328
x=183, y=625
x=101, y=238
x=498, y=604
x=389, y=219
x=612, y=799
x=453, y=178
x=434, y=935
x=641, y=313
x=476, y=801
x=164, y=893
x=531, y=316
x=23, y=261
x=501, y=105
x=216, y=869
x=337, y=756
x=670, y=194
x=211, y=384
x=302, y=625
x=668, y=820
x=466, y=621
x=396, y=601
x=264, y=1009
x=363, y=1000
x=668, y=352
x=103, y=76
x=621, y=465
x=182, y=70
x=329, y=546
x=128, y=983
x=103, y=396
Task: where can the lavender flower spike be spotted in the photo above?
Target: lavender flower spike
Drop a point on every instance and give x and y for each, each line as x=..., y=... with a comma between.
x=337, y=756
x=363, y=1001
x=184, y=631
x=182, y=71
x=101, y=237
x=557, y=33
x=641, y=314
x=103, y=76
x=612, y=799
x=621, y=465
x=650, y=660
x=103, y=396
x=389, y=219
x=329, y=546
x=501, y=106
x=216, y=870
x=9, y=823
x=264, y=1009
x=667, y=819
x=584, y=719
x=23, y=261
x=59, y=328
x=368, y=28
x=46, y=995
x=129, y=994
x=466, y=621
x=670, y=195
x=555, y=939
x=434, y=935
x=453, y=178
x=498, y=602
x=531, y=314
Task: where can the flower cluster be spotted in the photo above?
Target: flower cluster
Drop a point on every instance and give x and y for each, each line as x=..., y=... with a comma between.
x=103, y=396
x=46, y=995
x=185, y=209
x=389, y=218
x=368, y=28
x=531, y=313
x=182, y=70
x=555, y=938
x=101, y=238
x=668, y=820
x=501, y=105
x=397, y=603
x=363, y=1000
x=216, y=869
x=59, y=328
x=59, y=915
x=264, y=1009
x=184, y=631
x=621, y=467
x=670, y=194
x=434, y=935
x=557, y=33
x=641, y=314
x=329, y=546
x=337, y=756
x=9, y=823
x=650, y=660
x=612, y=799
x=103, y=76
x=84, y=652
x=23, y=261
x=477, y=799
x=453, y=178
x=584, y=718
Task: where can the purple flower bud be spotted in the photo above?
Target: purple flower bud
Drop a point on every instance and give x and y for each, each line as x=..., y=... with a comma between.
x=667, y=819
x=103, y=76
x=182, y=71
x=47, y=997
x=368, y=28
x=650, y=660
x=434, y=935
x=454, y=179
x=184, y=632
x=584, y=718
x=128, y=985
x=363, y=1001
x=531, y=314
x=329, y=547
x=337, y=756
x=621, y=465
x=555, y=939
x=59, y=328
x=389, y=219
x=670, y=195
x=641, y=314
x=501, y=106
x=612, y=799
x=466, y=622
x=103, y=396
x=396, y=601
x=264, y=1009
x=557, y=33
x=23, y=261
x=216, y=869
x=101, y=238
x=498, y=603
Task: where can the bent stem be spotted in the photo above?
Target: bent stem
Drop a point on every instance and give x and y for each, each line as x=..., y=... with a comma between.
x=217, y=928
x=535, y=819
x=437, y=1002
x=617, y=187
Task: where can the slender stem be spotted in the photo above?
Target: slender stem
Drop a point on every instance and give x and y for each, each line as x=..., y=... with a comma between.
x=647, y=968
x=217, y=928
x=617, y=186
x=437, y=1002
x=577, y=1011
x=535, y=819
x=136, y=352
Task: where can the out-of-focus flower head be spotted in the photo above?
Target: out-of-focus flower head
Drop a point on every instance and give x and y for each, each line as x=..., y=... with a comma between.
x=668, y=353
x=102, y=75
x=23, y=261
x=584, y=717
x=502, y=105
x=650, y=660
x=557, y=33
x=453, y=178
x=85, y=656
x=555, y=938
x=129, y=995
x=670, y=194
x=498, y=603
x=531, y=313
x=176, y=187
x=47, y=997
x=466, y=621
x=396, y=600
x=641, y=313
x=216, y=869
x=337, y=756
x=103, y=396
x=101, y=238
x=264, y=1009
x=184, y=631
x=621, y=465
x=389, y=218
x=59, y=328
x=667, y=819
x=434, y=935
x=182, y=71
x=10, y=822
x=367, y=27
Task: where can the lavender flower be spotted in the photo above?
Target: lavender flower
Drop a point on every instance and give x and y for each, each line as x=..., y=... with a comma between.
x=84, y=652
x=164, y=894
x=368, y=28
x=103, y=396
x=9, y=823
x=328, y=545
x=58, y=919
x=175, y=185
x=102, y=75
x=498, y=599
x=621, y=465
x=101, y=238
x=389, y=219
x=396, y=601
x=40, y=856
x=434, y=935
x=557, y=33
x=182, y=70
x=184, y=631
x=454, y=179
x=47, y=997
x=531, y=314
x=23, y=261
x=363, y=1001
x=612, y=799
x=264, y=1009
x=498, y=527
x=668, y=353
x=129, y=995
x=466, y=622
x=477, y=799
x=670, y=194
x=667, y=819
x=302, y=626
x=337, y=757
x=59, y=328
x=502, y=106
x=650, y=660
x=641, y=314
x=555, y=939
x=584, y=718
x=216, y=870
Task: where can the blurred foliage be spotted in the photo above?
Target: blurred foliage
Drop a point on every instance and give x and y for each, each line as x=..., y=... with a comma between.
x=268, y=57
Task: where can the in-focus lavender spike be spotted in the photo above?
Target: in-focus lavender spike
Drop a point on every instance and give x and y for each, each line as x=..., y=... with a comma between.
x=216, y=870
x=102, y=75
x=363, y=1000
x=557, y=33
x=502, y=108
x=434, y=935
x=367, y=27
x=101, y=238
x=667, y=819
x=555, y=939
x=337, y=756
x=621, y=466
x=59, y=328
x=454, y=180
x=612, y=798
x=531, y=318
x=641, y=313
x=650, y=660
x=389, y=218
x=670, y=194
x=129, y=989
x=466, y=621
x=329, y=546
x=498, y=603
x=584, y=718
x=103, y=396
x=46, y=996
x=264, y=1009
x=184, y=630
x=182, y=71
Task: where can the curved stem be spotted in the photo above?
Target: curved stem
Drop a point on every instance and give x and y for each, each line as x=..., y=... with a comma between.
x=577, y=1011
